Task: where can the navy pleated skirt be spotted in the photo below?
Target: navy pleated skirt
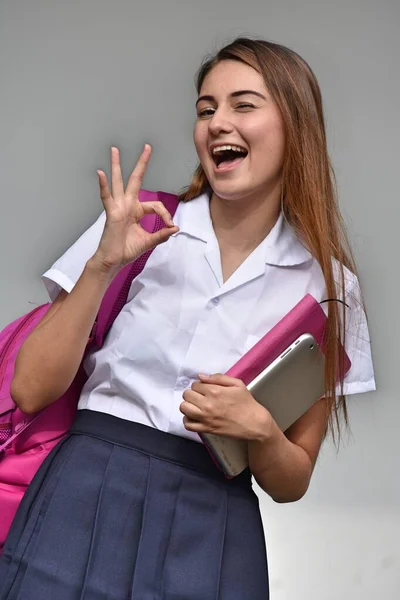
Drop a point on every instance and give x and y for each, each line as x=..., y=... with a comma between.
x=121, y=511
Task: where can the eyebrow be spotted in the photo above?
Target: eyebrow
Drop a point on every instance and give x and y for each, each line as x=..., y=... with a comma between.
x=233, y=95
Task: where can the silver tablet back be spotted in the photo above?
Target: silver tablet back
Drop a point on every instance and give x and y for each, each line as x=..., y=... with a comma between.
x=287, y=388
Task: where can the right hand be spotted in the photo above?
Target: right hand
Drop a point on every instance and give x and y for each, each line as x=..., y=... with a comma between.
x=123, y=239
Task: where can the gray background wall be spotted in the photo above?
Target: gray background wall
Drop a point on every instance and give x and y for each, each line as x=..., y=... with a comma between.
x=78, y=76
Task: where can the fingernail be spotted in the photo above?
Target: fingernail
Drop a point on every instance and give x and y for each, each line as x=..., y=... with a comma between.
x=204, y=376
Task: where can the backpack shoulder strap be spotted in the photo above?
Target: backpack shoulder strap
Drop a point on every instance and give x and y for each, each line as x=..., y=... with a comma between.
x=117, y=293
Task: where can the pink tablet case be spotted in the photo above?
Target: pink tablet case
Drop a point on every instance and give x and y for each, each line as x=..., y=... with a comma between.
x=306, y=317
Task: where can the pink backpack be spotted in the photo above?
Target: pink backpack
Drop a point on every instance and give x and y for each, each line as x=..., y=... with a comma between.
x=25, y=441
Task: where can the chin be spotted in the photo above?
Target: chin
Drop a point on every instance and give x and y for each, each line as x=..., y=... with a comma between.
x=231, y=190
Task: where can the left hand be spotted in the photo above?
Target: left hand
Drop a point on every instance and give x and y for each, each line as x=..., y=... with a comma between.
x=223, y=405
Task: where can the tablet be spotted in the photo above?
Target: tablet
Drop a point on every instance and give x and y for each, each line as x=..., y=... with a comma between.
x=287, y=388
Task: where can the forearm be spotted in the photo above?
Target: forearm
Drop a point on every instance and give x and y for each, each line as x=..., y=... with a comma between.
x=281, y=468
x=50, y=357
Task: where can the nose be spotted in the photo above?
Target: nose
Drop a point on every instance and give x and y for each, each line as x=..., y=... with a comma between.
x=220, y=123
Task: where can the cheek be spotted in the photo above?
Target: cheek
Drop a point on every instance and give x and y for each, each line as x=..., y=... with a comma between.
x=269, y=139
x=200, y=139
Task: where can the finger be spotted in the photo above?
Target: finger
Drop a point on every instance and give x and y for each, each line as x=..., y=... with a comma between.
x=219, y=379
x=159, y=237
x=105, y=194
x=194, y=398
x=191, y=411
x=201, y=388
x=159, y=209
x=117, y=183
x=195, y=426
x=136, y=178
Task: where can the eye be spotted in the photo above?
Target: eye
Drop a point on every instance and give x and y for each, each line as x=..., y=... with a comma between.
x=244, y=106
x=205, y=112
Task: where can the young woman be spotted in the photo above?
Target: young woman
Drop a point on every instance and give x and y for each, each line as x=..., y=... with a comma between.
x=130, y=505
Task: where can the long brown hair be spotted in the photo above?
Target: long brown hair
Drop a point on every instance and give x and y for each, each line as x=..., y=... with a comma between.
x=309, y=197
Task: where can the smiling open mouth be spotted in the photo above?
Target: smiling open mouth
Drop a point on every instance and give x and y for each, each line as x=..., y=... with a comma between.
x=228, y=156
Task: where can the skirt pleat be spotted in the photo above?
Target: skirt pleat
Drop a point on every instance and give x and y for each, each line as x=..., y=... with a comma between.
x=120, y=511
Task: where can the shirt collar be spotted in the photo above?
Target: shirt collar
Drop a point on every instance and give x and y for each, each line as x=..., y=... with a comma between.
x=193, y=218
x=282, y=247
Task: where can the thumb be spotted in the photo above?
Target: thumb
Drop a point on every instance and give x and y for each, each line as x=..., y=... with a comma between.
x=159, y=237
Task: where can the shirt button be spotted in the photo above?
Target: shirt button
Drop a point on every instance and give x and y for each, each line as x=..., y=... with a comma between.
x=183, y=383
x=215, y=301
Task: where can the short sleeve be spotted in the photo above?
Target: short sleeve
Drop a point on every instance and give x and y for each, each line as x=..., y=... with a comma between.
x=66, y=271
x=360, y=378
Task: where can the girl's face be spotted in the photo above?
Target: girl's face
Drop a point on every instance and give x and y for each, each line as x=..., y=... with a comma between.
x=239, y=133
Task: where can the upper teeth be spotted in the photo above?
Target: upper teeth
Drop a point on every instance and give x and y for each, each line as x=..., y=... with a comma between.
x=218, y=149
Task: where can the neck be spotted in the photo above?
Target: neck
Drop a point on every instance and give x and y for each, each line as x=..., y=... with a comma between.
x=242, y=224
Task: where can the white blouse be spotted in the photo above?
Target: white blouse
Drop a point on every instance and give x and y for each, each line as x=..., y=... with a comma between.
x=181, y=319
